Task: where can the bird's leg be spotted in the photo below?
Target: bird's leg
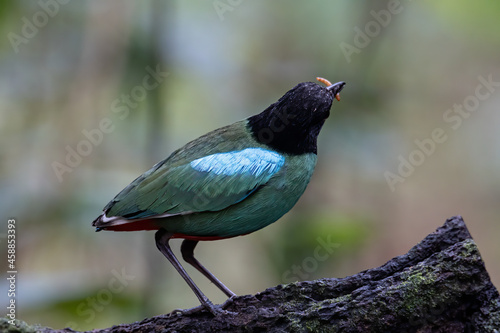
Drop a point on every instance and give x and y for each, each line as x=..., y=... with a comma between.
x=187, y=250
x=162, y=237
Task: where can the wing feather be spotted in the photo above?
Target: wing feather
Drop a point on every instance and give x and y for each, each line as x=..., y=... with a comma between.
x=209, y=183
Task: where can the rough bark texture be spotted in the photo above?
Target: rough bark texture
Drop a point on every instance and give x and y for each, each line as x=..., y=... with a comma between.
x=440, y=285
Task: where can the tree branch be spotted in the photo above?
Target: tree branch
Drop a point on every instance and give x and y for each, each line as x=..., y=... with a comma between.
x=440, y=285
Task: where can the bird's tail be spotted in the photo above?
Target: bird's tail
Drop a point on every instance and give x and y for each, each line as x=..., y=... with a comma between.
x=116, y=223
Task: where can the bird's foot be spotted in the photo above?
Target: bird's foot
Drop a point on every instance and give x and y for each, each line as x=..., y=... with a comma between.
x=217, y=309
x=228, y=302
x=182, y=312
x=213, y=309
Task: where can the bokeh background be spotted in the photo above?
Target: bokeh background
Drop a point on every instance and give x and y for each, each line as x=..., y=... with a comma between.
x=73, y=69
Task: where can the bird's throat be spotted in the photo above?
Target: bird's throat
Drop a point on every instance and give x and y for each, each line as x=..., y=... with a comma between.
x=283, y=133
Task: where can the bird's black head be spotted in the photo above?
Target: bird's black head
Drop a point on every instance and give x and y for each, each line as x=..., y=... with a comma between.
x=292, y=124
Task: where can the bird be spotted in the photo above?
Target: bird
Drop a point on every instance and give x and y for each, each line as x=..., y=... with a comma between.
x=229, y=182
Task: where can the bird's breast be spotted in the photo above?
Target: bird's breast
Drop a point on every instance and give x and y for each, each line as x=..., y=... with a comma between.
x=292, y=180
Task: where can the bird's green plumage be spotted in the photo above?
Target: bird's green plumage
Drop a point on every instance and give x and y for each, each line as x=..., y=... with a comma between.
x=258, y=210
x=214, y=205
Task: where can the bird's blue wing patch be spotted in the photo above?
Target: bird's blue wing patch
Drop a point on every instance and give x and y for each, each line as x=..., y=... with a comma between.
x=254, y=161
x=209, y=183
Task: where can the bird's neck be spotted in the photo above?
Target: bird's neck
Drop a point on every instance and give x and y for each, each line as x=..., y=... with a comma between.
x=284, y=132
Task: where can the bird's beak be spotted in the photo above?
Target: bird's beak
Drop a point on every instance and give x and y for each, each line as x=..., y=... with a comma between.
x=336, y=88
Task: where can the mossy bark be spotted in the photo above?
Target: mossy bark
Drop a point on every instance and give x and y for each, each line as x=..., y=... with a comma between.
x=440, y=285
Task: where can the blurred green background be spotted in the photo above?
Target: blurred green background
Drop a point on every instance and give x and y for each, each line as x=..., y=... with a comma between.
x=73, y=69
